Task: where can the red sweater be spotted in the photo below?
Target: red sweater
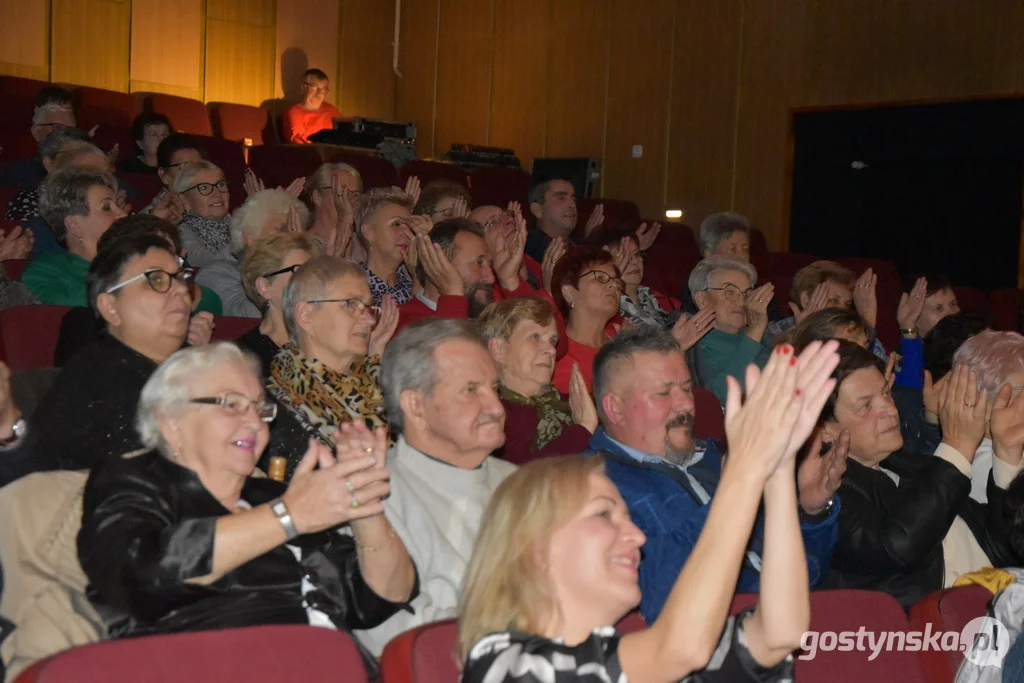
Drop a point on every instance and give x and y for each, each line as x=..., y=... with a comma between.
x=578, y=353
x=298, y=123
x=521, y=427
x=452, y=306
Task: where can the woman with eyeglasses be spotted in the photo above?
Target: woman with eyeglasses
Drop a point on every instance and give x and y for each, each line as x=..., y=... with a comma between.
x=264, y=213
x=586, y=287
x=442, y=199
x=726, y=286
x=334, y=191
x=266, y=271
x=182, y=537
x=205, y=226
x=138, y=287
x=329, y=372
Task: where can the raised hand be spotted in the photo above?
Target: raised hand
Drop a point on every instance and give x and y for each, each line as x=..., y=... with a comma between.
x=295, y=187
x=962, y=412
x=930, y=396
x=820, y=473
x=386, y=325
x=552, y=255
x=622, y=253
x=817, y=301
x=890, y=370
x=911, y=305
x=688, y=331
x=581, y=404
x=113, y=152
x=865, y=297
x=757, y=310
x=251, y=183
x=439, y=270
x=16, y=244
x=460, y=209
x=1007, y=424
x=419, y=225
x=412, y=188
x=645, y=235
x=596, y=218
x=170, y=207
x=507, y=254
x=200, y=328
x=354, y=441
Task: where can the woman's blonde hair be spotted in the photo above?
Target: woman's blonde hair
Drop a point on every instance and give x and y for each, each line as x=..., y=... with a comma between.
x=320, y=179
x=507, y=586
x=267, y=254
x=501, y=318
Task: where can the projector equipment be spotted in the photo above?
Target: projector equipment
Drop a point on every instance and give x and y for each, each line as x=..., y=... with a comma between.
x=582, y=172
x=393, y=141
x=477, y=156
x=387, y=129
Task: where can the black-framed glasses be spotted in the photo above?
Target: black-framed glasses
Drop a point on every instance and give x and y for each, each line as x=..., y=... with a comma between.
x=732, y=292
x=206, y=189
x=605, y=279
x=159, y=280
x=238, y=405
x=354, y=306
x=289, y=269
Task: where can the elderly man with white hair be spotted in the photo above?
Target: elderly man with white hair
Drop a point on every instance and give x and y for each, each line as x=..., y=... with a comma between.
x=266, y=212
x=440, y=390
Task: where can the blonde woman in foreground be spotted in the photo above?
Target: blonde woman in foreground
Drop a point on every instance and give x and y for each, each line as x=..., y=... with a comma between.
x=555, y=563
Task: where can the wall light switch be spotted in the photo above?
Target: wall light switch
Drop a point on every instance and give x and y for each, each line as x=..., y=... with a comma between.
x=638, y=151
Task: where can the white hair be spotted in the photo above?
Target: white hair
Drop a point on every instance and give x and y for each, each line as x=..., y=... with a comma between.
x=700, y=276
x=40, y=112
x=249, y=218
x=189, y=171
x=166, y=394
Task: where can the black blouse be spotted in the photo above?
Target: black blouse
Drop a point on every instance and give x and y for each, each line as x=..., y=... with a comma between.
x=512, y=657
x=148, y=526
x=262, y=346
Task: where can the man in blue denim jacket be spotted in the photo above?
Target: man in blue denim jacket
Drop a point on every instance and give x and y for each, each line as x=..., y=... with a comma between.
x=644, y=398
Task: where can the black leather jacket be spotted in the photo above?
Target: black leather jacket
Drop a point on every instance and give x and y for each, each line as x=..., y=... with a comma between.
x=148, y=527
x=890, y=539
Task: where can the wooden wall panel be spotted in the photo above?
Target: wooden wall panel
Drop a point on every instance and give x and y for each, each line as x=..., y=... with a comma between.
x=25, y=39
x=89, y=43
x=167, y=47
x=306, y=38
x=639, y=87
x=520, y=76
x=577, y=79
x=240, y=54
x=366, y=81
x=463, y=73
x=417, y=61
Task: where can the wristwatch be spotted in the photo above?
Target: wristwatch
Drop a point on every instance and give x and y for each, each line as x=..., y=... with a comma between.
x=818, y=516
x=284, y=517
x=19, y=430
x=908, y=331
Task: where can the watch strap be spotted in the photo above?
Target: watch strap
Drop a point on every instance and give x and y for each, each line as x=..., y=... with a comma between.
x=17, y=432
x=284, y=517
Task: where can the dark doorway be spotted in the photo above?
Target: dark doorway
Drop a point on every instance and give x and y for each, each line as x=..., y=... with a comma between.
x=934, y=187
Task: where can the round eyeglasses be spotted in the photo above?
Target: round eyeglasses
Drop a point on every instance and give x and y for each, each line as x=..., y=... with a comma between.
x=237, y=404
x=206, y=189
x=354, y=306
x=732, y=292
x=604, y=278
x=159, y=280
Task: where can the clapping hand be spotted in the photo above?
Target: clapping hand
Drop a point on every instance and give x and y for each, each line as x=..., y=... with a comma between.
x=412, y=188
x=757, y=309
x=552, y=255
x=645, y=235
x=911, y=305
x=295, y=187
x=200, y=328
x=507, y=254
x=386, y=325
x=251, y=183
x=581, y=404
x=688, y=331
x=963, y=411
x=16, y=244
x=865, y=297
x=438, y=268
x=596, y=218
x=821, y=471
x=816, y=302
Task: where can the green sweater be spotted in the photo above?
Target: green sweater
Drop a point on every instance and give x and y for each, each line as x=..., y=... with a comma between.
x=723, y=354
x=59, y=279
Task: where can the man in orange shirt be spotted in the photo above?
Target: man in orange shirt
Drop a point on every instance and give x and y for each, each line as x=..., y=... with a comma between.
x=312, y=114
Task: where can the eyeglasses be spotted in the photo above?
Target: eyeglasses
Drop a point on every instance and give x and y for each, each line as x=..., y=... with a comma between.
x=319, y=88
x=605, y=279
x=159, y=279
x=490, y=222
x=355, y=305
x=206, y=189
x=237, y=404
x=732, y=292
x=289, y=269
x=159, y=134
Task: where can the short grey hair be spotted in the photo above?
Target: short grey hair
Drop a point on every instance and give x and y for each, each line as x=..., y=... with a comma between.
x=249, y=218
x=55, y=141
x=721, y=226
x=190, y=171
x=313, y=281
x=371, y=202
x=700, y=276
x=70, y=157
x=321, y=177
x=66, y=193
x=409, y=363
x=41, y=111
x=166, y=393
x=624, y=346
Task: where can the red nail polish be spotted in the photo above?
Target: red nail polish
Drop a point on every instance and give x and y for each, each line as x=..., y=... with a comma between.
x=792, y=361
x=797, y=392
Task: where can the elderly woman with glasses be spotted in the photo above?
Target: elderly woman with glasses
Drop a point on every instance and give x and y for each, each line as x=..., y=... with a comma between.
x=182, y=536
x=726, y=286
x=266, y=271
x=385, y=228
x=334, y=191
x=586, y=287
x=205, y=227
x=329, y=372
x=267, y=212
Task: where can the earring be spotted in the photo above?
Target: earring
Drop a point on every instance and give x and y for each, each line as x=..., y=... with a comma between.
x=572, y=304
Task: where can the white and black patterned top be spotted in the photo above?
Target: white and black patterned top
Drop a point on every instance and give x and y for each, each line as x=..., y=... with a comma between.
x=23, y=206
x=512, y=657
x=401, y=292
x=646, y=313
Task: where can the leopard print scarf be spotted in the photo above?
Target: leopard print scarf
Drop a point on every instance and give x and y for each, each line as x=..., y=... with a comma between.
x=321, y=398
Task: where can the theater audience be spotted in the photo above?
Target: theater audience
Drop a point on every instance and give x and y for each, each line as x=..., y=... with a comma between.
x=79, y=204
x=60, y=143
x=938, y=297
x=334, y=191
x=908, y=525
x=726, y=234
x=439, y=388
x=385, y=228
x=442, y=199
x=644, y=396
x=268, y=212
x=266, y=271
x=500, y=224
x=175, y=152
x=553, y=205
x=726, y=286
x=51, y=111
x=182, y=537
x=329, y=373
x=205, y=226
x=313, y=114
x=148, y=131
x=560, y=529
x=522, y=336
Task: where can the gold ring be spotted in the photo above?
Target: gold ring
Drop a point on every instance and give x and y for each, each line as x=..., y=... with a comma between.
x=355, y=503
x=969, y=405
x=369, y=449
x=350, y=487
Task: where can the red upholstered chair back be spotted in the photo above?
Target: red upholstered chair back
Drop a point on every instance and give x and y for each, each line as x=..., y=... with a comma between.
x=758, y=243
x=883, y=269
x=499, y=186
x=259, y=654
x=28, y=335
x=236, y=122
x=780, y=263
x=669, y=262
x=17, y=95
x=971, y=299
x=227, y=328
x=425, y=654
x=619, y=211
x=947, y=610
x=375, y=171
x=709, y=420
x=279, y=165
x=432, y=170
x=96, y=106
x=15, y=267
x=147, y=186
x=1005, y=305
x=186, y=115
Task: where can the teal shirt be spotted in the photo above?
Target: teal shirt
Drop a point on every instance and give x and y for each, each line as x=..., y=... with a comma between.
x=59, y=279
x=723, y=354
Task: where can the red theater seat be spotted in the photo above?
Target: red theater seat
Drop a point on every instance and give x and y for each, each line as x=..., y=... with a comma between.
x=279, y=165
x=499, y=186
x=971, y=299
x=883, y=269
x=28, y=335
x=1005, y=305
x=780, y=263
x=227, y=328
x=17, y=95
x=374, y=170
x=709, y=420
x=108, y=136
x=947, y=610
x=425, y=654
x=96, y=106
x=186, y=115
x=237, y=122
x=432, y=170
x=668, y=263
